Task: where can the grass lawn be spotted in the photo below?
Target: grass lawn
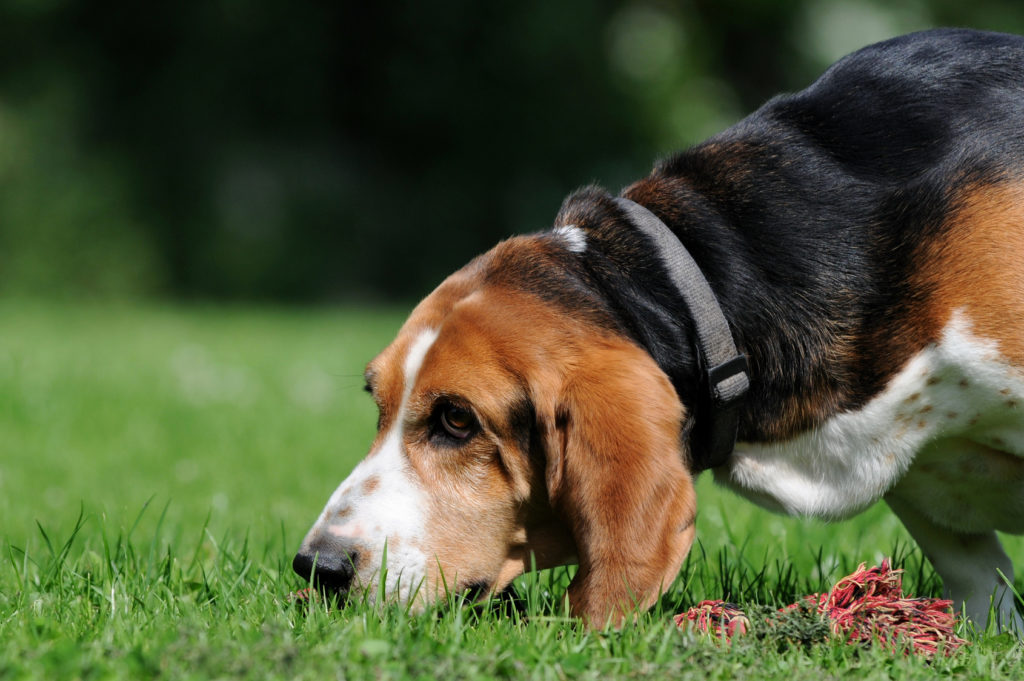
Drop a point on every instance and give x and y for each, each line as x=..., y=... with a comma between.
x=198, y=445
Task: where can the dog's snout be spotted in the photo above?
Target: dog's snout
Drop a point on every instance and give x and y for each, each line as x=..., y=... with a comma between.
x=329, y=568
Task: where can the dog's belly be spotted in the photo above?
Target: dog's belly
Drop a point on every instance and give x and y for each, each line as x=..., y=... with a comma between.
x=947, y=434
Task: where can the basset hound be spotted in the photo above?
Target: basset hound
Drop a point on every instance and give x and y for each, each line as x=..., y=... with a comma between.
x=863, y=240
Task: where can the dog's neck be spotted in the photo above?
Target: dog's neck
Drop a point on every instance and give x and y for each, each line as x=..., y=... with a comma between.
x=724, y=379
x=659, y=297
x=784, y=336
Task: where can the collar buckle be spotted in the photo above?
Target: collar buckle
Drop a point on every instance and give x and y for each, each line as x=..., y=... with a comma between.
x=726, y=393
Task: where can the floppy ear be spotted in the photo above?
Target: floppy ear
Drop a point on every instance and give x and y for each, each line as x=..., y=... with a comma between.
x=616, y=472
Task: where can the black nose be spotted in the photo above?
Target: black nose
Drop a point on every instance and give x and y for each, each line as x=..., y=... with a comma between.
x=331, y=569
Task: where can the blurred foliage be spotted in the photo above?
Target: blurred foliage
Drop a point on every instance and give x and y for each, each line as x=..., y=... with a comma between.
x=311, y=151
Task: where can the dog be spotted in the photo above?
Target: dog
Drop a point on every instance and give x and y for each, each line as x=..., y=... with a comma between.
x=862, y=242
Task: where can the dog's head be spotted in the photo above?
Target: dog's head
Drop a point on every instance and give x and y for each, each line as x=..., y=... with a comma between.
x=518, y=426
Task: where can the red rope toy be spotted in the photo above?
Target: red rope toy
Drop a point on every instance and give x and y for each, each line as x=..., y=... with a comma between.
x=867, y=606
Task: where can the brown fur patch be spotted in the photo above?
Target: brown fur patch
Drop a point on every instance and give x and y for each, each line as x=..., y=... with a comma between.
x=976, y=265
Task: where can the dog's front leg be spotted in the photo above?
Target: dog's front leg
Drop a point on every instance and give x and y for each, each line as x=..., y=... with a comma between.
x=972, y=566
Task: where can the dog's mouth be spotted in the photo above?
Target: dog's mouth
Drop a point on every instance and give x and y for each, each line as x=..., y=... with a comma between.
x=333, y=583
x=477, y=590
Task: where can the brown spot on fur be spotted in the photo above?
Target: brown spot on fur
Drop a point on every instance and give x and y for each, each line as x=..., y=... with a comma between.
x=921, y=424
x=912, y=398
x=973, y=422
x=1012, y=404
x=964, y=383
x=370, y=485
x=934, y=380
x=925, y=409
x=951, y=414
x=1005, y=391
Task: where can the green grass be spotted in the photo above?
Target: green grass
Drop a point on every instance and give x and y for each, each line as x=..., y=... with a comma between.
x=159, y=466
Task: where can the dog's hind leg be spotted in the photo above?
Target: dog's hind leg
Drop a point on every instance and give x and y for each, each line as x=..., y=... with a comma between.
x=974, y=568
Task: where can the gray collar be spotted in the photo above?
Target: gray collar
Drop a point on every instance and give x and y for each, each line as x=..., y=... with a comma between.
x=726, y=374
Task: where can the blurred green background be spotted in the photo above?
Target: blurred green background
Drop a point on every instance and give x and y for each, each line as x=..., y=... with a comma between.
x=359, y=151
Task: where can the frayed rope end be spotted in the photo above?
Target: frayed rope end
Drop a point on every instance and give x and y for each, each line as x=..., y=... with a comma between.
x=867, y=606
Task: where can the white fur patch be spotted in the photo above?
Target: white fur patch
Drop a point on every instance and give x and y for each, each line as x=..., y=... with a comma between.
x=958, y=389
x=382, y=506
x=575, y=239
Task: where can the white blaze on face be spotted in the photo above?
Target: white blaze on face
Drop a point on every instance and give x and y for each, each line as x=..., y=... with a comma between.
x=382, y=505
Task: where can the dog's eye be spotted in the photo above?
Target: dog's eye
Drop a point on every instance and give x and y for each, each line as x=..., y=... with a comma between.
x=457, y=421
